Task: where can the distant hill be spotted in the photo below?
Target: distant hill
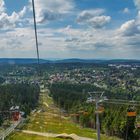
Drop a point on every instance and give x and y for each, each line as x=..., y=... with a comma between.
x=74, y=60
x=21, y=61
x=42, y=61
x=96, y=61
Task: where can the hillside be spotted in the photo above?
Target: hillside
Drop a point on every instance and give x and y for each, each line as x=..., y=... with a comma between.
x=48, y=121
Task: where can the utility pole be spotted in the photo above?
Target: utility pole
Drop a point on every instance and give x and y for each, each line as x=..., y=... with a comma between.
x=3, y=137
x=97, y=99
x=97, y=121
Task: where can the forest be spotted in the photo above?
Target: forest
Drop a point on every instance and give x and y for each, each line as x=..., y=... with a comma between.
x=113, y=121
x=23, y=95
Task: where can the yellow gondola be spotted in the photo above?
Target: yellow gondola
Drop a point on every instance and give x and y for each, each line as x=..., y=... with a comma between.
x=131, y=112
x=85, y=113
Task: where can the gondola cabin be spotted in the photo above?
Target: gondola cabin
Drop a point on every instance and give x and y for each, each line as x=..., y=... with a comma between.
x=100, y=110
x=131, y=112
x=85, y=113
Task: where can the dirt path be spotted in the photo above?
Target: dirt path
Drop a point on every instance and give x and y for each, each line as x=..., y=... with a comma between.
x=45, y=104
x=73, y=136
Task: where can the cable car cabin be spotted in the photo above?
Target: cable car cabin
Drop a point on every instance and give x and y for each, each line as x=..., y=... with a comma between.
x=85, y=113
x=100, y=110
x=131, y=112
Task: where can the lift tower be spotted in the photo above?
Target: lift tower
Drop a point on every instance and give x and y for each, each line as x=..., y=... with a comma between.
x=97, y=100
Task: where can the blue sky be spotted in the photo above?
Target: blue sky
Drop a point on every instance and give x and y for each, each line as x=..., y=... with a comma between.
x=15, y=5
x=91, y=29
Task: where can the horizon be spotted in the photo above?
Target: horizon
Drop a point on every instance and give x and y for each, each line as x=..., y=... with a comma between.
x=61, y=59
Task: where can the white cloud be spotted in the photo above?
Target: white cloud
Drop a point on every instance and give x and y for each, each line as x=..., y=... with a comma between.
x=2, y=6
x=94, y=18
x=129, y=28
x=9, y=21
x=99, y=21
x=101, y=43
x=138, y=18
x=23, y=11
x=87, y=14
x=126, y=11
x=137, y=4
x=14, y=43
x=69, y=42
x=47, y=10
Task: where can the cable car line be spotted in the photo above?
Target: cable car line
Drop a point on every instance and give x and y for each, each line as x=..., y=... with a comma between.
x=36, y=35
x=109, y=102
x=126, y=101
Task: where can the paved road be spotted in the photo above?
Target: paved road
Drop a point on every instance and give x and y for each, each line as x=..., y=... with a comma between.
x=9, y=130
x=74, y=136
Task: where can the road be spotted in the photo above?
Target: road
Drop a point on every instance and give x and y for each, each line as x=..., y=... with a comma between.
x=73, y=136
x=9, y=130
